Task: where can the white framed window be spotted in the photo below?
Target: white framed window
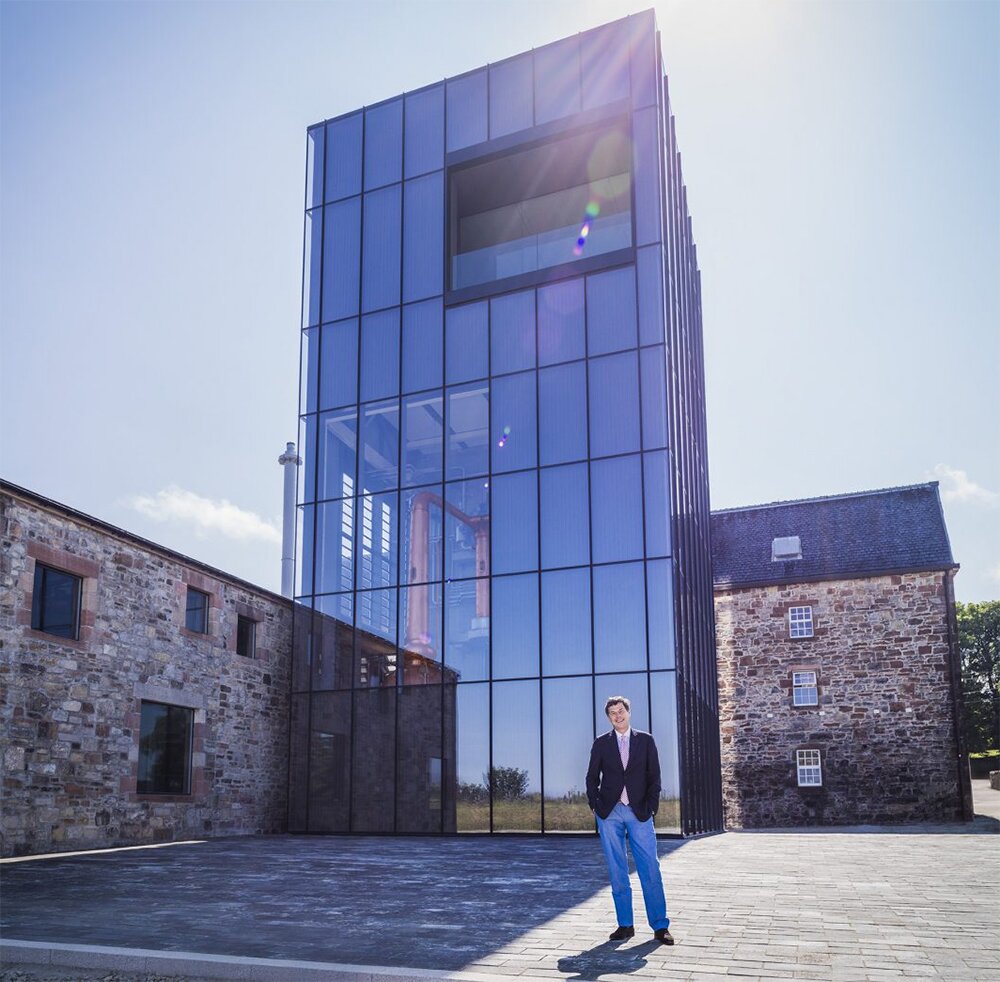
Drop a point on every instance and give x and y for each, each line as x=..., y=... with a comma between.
x=804, y=689
x=809, y=767
x=800, y=622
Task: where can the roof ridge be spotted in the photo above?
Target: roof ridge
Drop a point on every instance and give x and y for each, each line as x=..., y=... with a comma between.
x=827, y=497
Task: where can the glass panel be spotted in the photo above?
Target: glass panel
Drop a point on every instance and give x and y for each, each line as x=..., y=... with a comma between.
x=654, y=396
x=305, y=535
x=423, y=237
x=656, y=480
x=298, y=763
x=467, y=112
x=468, y=449
x=423, y=346
x=561, y=322
x=308, y=371
x=302, y=645
x=619, y=618
x=334, y=641
x=374, y=788
x=611, y=321
x=379, y=355
x=646, y=176
x=562, y=413
x=375, y=639
x=663, y=694
x=566, y=622
x=307, y=440
x=330, y=763
x=377, y=540
x=378, y=464
x=424, y=144
x=467, y=342
x=513, y=437
x=645, y=58
x=380, y=271
x=616, y=509
x=467, y=530
x=339, y=375
x=383, y=144
x=614, y=404
x=341, y=259
x=649, y=264
x=335, y=547
x=633, y=687
x=423, y=531
x=56, y=591
x=511, y=97
x=472, y=753
x=604, y=64
x=565, y=516
x=569, y=733
x=467, y=628
x=420, y=618
x=514, y=608
x=516, y=774
x=337, y=447
x=315, y=143
x=343, y=157
x=512, y=332
x=557, y=80
x=311, y=267
x=419, y=764
x=515, y=523
x=423, y=438
x=541, y=206
x=164, y=749
x=660, y=607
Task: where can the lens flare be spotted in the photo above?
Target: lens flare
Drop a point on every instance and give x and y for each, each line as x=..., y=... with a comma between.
x=591, y=212
x=503, y=439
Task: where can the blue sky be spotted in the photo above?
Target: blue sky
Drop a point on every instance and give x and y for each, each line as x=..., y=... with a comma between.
x=843, y=172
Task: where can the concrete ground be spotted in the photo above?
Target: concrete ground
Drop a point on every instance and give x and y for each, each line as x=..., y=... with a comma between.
x=845, y=904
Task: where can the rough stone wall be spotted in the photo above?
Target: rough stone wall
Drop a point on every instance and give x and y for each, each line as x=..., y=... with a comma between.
x=70, y=710
x=884, y=723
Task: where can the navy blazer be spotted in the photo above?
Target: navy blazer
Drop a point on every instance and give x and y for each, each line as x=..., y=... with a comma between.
x=606, y=779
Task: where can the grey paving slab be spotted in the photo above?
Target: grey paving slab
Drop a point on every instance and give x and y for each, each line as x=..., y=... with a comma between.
x=851, y=905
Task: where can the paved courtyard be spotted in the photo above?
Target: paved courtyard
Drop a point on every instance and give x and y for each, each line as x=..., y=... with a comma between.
x=844, y=904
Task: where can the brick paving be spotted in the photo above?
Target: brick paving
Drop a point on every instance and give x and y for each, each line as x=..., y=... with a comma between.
x=855, y=904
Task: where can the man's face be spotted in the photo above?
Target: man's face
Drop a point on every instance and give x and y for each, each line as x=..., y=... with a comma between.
x=619, y=717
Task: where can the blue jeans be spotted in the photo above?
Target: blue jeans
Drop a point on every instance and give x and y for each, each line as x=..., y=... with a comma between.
x=614, y=829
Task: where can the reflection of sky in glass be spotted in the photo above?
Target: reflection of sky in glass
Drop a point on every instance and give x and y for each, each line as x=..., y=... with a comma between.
x=516, y=729
x=568, y=734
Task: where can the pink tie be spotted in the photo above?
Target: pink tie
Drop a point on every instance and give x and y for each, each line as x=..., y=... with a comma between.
x=623, y=750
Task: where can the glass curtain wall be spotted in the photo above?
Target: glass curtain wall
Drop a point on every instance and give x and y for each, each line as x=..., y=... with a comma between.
x=486, y=528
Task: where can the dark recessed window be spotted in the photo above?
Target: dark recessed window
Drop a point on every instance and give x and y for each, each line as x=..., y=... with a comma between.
x=544, y=206
x=196, y=616
x=165, y=749
x=55, y=602
x=246, y=636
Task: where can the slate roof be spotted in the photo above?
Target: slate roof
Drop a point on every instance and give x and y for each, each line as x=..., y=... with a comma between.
x=865, y=533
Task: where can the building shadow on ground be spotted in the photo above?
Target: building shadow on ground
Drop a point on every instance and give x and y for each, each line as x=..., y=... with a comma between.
x=437, y=903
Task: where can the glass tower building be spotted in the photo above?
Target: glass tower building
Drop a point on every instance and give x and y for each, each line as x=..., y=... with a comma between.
x=503, y=511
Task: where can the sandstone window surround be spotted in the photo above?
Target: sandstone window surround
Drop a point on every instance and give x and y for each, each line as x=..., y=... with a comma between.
x=193, y=580
x=800, y=622
x=61, y=561
x=809, y=768
x=197, y=785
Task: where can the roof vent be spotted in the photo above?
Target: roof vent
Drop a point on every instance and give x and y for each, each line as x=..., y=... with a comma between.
x=786, y=547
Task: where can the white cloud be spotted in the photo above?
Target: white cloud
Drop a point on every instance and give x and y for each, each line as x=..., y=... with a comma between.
x=223, y=517
x=956, y=486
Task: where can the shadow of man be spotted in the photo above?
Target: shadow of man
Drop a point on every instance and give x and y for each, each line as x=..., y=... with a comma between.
x=608, y=958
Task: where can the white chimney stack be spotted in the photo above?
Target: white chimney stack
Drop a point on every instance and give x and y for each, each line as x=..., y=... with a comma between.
x=289, y=460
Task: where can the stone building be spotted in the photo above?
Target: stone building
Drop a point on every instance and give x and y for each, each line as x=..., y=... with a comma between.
x=837, y=660
x=143, y=695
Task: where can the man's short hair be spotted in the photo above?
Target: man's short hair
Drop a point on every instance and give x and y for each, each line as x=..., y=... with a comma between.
x=612, y=700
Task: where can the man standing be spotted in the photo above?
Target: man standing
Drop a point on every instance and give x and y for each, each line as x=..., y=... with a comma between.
x=623, y=788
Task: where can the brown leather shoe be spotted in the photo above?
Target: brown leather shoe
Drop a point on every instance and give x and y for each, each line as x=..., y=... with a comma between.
x=663, y=936
x=621, y=933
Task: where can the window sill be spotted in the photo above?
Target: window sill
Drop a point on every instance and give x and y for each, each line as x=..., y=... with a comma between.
x=77, y=644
